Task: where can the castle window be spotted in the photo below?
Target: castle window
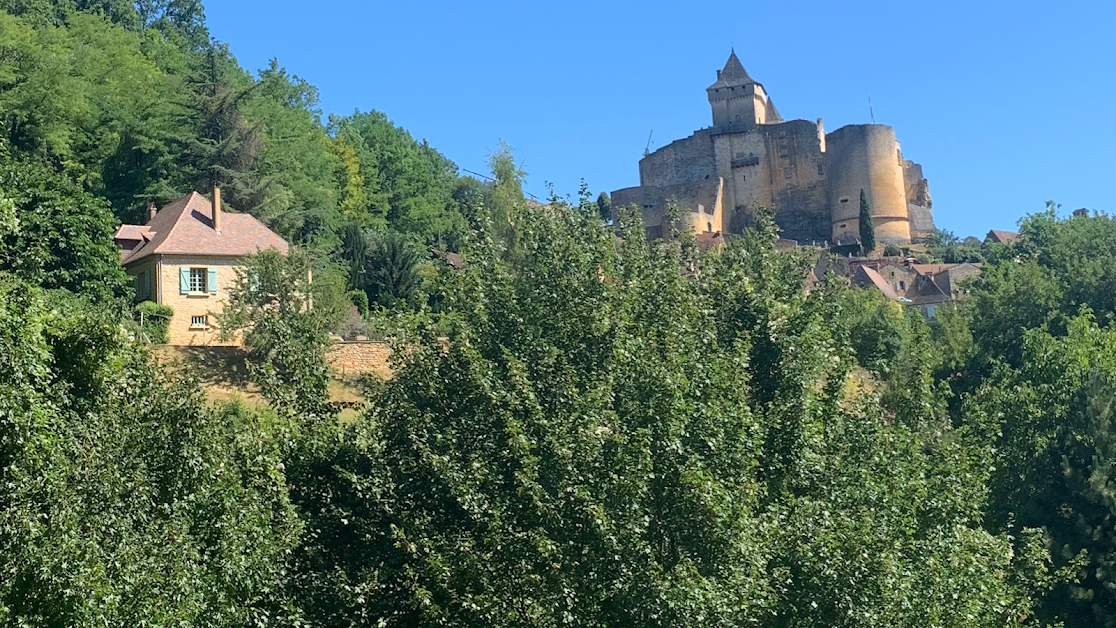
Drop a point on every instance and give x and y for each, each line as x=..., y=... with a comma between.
x=821, y=170
x=842, y=225
x=844, y=199
x=709, y=226
x=787, y=172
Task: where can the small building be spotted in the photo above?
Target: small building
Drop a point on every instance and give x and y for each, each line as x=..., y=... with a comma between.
x=901, y=277
x=868, y=277
x=998, y=236
x=187, y=256
x=926, y=287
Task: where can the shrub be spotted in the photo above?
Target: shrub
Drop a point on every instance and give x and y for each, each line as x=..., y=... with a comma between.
x=892, y=250
x=360, y=300
x=154, y=320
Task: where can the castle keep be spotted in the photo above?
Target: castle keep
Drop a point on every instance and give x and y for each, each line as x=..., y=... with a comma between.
x=751, y=157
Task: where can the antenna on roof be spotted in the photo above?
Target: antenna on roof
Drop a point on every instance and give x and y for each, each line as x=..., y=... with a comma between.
x=647, y=149
x=871, y=113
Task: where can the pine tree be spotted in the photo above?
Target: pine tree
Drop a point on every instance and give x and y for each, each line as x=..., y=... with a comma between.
x=867, y=231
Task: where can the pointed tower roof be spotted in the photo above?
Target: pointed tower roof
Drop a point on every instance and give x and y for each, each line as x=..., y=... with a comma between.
x=733, y=74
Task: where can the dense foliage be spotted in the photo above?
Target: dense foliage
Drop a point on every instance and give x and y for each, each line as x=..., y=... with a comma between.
x=581, y=429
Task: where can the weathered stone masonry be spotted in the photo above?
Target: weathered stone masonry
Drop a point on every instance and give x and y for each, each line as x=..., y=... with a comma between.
x=751, y=157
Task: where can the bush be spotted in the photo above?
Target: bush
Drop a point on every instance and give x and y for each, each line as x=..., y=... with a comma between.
x=154, y=321
x=892, y=250
x=360, y=300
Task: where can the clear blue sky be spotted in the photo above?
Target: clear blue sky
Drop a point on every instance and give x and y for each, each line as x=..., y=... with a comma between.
x=1006, y=104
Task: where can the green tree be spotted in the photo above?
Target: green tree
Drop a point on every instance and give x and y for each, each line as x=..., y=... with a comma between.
x=391, y=275
x=69, y=96
x=408, y=184
x=867, y=229
x=1052, y=421
x=285, y=317
x=297, y=165
x=114, y=512
x=62, y=235
x=604, y=206
x=621, y=433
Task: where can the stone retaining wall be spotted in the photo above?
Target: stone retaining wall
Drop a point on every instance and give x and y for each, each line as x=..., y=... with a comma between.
x=360, y=357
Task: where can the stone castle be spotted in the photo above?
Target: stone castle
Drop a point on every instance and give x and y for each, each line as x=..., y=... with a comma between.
x=751, y=157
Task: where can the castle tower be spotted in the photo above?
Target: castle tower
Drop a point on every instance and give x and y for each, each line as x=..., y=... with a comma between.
x=867, y=157
x=739, y=100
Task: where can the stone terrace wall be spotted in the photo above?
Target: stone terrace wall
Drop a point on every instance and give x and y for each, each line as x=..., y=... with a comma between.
x=360, y=357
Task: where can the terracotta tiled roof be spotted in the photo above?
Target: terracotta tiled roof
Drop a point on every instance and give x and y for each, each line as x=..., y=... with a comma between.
x=709, y=240
x=934, y=269
x=133, y=232
x=185, y=227
x=1003, y=237
x=867, y=276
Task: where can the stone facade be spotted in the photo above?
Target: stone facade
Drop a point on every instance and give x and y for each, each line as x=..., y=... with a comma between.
x=810, y=178
x=159, y=279
x=187, y=256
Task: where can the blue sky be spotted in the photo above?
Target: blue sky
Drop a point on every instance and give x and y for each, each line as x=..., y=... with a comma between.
x=1006, y=104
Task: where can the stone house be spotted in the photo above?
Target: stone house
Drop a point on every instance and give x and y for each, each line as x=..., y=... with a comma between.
x=186, y=256
x=901, y=277
x=926, y=287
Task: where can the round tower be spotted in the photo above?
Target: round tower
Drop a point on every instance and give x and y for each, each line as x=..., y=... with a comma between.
x=866, y=156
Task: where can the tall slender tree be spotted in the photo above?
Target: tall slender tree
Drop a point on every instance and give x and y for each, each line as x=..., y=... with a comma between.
x=867, y=231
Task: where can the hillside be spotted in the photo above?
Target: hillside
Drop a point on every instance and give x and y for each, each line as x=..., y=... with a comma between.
x=579, y=426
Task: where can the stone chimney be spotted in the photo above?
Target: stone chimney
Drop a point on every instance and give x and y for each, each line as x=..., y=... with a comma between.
x=217, y=209
x=151, y=211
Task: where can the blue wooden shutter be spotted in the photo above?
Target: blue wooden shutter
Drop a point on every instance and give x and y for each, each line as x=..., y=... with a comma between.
x=211, y=283
x=184, y=280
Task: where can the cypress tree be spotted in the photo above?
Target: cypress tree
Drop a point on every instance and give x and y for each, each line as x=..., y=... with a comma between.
x=867, y=231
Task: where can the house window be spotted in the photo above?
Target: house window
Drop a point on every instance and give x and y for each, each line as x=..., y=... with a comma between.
x=199, y=322
x=902, y=285
x=198, y=277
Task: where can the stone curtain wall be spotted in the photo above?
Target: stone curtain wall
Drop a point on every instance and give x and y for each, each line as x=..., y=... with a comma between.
x=359, y=357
